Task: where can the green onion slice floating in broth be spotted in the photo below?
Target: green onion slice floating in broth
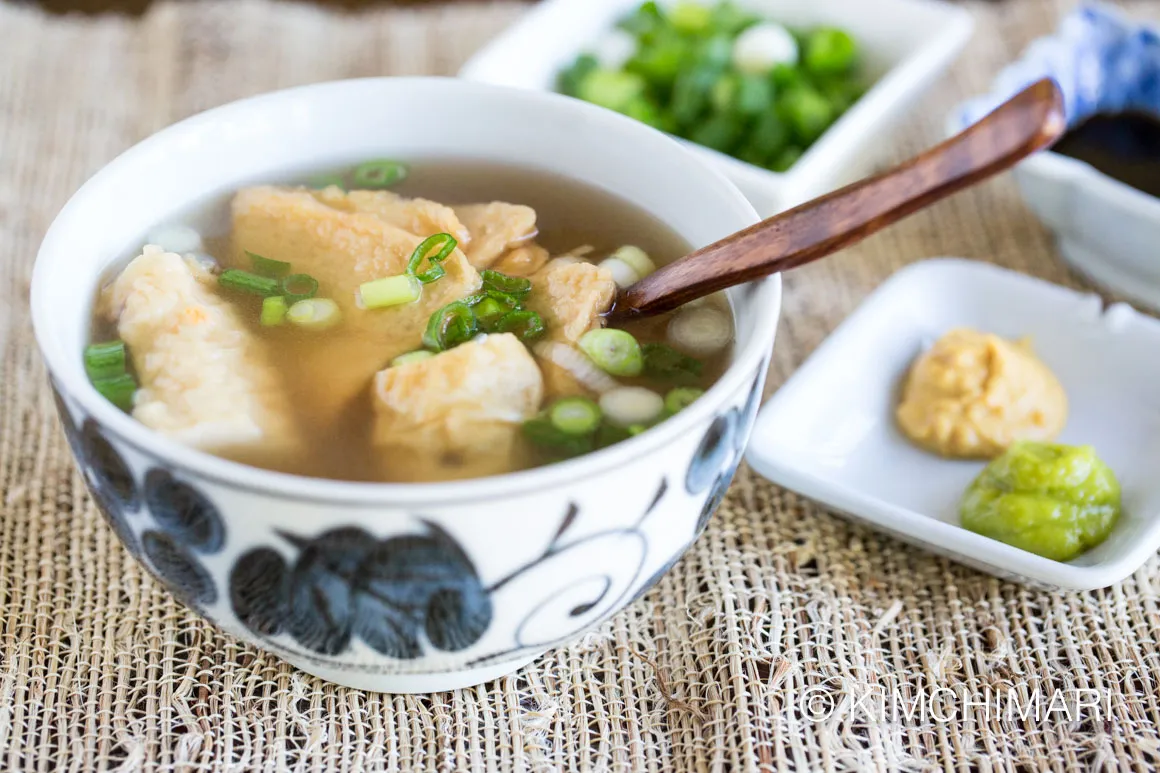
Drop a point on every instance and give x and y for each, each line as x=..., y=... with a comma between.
x=441, y=245
x=378, y=174
x=508, y=285
x=452, y=325
x=275, y=269
x=575, y=415
x=614, y=351
x=105, y=360
x=681, y=398
x=118, y=390
x=489, y=311
x=390, y=291
x=665, y=362
x=299, y=287
x=237, y=279
x=526, y=325
x=273, y=311
x=314, y=314
x=548, y=437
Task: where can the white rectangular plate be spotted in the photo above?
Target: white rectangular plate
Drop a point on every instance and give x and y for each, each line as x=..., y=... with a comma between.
x=829, y=433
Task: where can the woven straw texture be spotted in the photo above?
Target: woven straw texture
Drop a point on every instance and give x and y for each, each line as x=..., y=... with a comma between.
x=759, y=651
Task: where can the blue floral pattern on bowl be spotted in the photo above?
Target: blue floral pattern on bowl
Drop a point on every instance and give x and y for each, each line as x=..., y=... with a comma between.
x=394, y=591
x=1102, y=61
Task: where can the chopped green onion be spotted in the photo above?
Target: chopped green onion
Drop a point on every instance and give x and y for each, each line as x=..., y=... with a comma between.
x=700, y=330
x=390, y=291
x=444, y=243
x=527, y=325
x=575, y=415
x=105, y=360
x=314, y=313
x=378, y=174
x=610, y=434
x=681, y=398
x=409, y=357
x=637, y=259
x=830, y=52
x=547, y=436
x=452, y=325
x=614, y=351
x=275, y=269
x=489, y=311
x=665, y=362
x=236, y=279
x=273, y=311
x=636, y=429
x=508, y=285
x=508, y=302
x=326, y=180
x=690, y=17
x=118, y=390
x=630, y=405
x=473, y=300
x=299, y=287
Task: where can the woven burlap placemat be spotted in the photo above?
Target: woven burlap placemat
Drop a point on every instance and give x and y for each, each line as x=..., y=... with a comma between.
x=787, y=639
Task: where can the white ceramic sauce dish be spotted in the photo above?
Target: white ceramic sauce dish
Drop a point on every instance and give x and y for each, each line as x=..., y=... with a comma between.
x=907, y=44
x=424, y=587
x=1106, y=229
x=830, y=433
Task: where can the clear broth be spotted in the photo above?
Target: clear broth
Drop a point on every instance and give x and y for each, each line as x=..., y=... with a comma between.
x=569, y=215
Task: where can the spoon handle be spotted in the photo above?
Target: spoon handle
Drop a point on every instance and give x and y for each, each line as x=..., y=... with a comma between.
x=1029, y=121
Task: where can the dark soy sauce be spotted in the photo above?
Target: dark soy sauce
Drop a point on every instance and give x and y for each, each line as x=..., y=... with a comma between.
x=1124, y=146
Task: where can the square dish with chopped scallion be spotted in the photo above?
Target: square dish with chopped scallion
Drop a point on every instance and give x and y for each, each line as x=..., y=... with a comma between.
x=722, y=77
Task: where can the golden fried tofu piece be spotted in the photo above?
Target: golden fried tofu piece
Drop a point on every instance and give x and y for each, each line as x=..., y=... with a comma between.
x=495, y=228
x=570, y=296
x=457, y=414
x=206, y=380
x=524, y=260
x=342, y=247
x=418, y=216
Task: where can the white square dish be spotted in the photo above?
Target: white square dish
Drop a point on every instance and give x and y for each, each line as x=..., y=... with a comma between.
x=829, y=433
x=907, y=44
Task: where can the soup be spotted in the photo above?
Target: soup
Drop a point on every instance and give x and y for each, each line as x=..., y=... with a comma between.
x=430, y=322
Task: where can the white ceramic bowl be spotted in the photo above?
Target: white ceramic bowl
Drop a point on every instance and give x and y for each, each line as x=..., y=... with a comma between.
x=907, y=45
x=399, y=588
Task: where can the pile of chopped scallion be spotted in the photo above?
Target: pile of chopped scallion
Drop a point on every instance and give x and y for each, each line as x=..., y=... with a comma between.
x=497, y=308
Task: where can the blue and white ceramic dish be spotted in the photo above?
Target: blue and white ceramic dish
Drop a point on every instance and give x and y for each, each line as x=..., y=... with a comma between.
x=1103, y=62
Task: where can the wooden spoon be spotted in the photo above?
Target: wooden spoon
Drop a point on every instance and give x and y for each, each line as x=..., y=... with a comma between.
x=1029, y=121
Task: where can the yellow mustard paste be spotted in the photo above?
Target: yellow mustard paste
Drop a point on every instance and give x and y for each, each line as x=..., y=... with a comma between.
x=973, y=394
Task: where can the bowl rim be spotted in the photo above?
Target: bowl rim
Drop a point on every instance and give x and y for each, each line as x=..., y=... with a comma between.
x=765, y=306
